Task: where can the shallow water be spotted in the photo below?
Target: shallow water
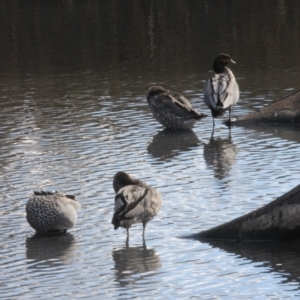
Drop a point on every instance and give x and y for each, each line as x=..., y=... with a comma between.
x=73, y=112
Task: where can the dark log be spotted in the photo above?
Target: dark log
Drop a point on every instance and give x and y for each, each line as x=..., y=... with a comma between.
x=284, y=111
x=278, y=220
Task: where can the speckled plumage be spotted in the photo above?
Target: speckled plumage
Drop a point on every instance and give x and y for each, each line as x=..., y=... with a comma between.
x=172, y=110
x=48, y=211
x=221, y=91
x=135, y=202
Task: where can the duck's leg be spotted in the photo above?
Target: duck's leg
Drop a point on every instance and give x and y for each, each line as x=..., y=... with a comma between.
x=144, y=227
x=212, y=133
x=127, y=239
x=213, y=119
x=231, y=121
x=144, y=244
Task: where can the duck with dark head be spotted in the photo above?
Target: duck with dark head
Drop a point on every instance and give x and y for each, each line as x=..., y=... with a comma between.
x=221, y=91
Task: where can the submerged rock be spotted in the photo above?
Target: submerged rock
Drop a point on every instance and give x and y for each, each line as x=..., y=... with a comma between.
x=278, y=220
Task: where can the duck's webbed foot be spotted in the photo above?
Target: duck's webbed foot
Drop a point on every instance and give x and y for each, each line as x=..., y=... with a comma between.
x=230, y=122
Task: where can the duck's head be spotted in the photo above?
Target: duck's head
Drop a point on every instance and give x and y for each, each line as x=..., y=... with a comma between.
x=122, y=179
x=221, y=61
x=155, y=90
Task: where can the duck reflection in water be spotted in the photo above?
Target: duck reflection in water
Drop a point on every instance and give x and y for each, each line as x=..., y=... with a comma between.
x=47, y=248
x=130, y=261
x=169, y=143
x=219, y=154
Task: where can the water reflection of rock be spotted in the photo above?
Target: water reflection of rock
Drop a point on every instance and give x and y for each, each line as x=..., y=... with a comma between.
x=220, y=154
x=131, y=261
x=46, y=248
x=170, y=143
x=283, y=131
x=282, y=257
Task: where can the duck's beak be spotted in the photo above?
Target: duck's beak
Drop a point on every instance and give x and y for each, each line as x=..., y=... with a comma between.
x=231, y=60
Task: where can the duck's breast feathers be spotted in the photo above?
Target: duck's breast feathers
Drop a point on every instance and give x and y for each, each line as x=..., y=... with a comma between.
x=221, y=91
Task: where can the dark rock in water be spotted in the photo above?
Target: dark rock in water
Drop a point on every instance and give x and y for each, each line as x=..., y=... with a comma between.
x=284, y=111
x=278, y=220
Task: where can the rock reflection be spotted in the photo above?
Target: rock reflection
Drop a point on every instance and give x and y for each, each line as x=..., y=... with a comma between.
x=169, y=143
x=134, y=263
x=46, y=248
x=283, y=131
x=219, y=154
x=279, y=257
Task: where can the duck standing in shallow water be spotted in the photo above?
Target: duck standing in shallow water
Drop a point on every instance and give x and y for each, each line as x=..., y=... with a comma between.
x=135, y=202
x=172, y=110
x=51, y=212
x=221, y=91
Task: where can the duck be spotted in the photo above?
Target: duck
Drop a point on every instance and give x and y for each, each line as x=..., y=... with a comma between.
x=172, y=110
x=49, y=212
x=221, y=91
x=135, y=202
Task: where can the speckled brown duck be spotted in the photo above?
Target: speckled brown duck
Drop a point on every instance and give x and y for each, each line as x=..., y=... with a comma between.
x=221, y=91
x=51, y=212
x=172, y=110
x=135, y=202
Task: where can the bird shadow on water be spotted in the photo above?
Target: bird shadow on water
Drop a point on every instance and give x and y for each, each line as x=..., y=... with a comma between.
x=219, y=154
x=134, y=263
x=280, y=257
x=59, y=247
x=169, y=143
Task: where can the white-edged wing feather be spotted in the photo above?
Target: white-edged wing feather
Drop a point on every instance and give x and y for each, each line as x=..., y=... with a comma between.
x=130, y=200
x=177, y=104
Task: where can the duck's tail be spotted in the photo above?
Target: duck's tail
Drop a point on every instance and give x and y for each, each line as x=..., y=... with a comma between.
x=216, y=113
x=199, y=117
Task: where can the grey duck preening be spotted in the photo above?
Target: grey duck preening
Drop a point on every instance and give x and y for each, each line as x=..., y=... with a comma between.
x=135, y=202
x=221, y=91
x=51, y=212
x=172, y=110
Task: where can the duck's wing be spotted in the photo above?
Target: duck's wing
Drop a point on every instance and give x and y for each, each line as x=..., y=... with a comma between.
x=220, y=91
x=177, y=105
x=129, y=203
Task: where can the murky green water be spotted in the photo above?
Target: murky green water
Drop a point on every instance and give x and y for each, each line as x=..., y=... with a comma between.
x=73, y=112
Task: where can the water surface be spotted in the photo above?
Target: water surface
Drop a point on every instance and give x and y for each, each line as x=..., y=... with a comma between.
x=73, y=112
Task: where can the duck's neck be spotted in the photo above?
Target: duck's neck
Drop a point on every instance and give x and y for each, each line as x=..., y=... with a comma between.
x=218, y=68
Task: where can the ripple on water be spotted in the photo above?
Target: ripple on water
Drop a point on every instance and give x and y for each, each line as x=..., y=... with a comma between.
x=204, y=182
